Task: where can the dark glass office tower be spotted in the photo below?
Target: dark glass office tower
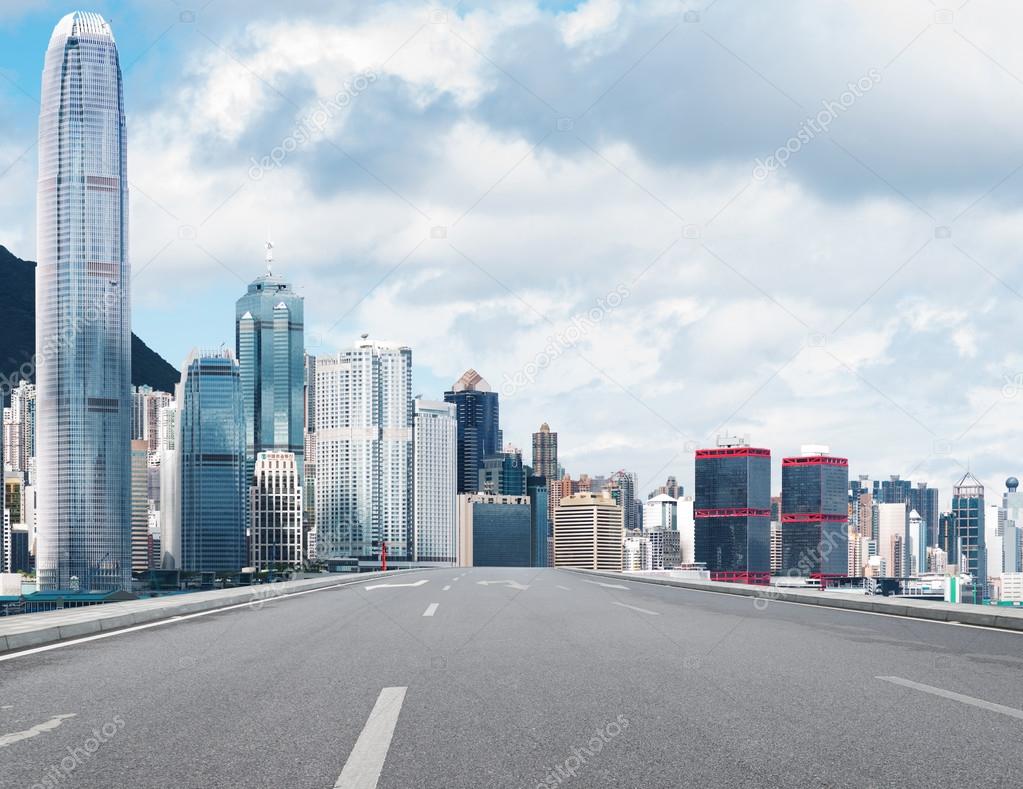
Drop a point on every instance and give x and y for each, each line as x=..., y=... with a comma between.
x=269, y=328
x=814, y=515
x=503, y=474
x=893, y=490
x=479, y=434
x=733, y=511
x=538, y=492
x=925, y=501
x=212, y=456
x=968, y=511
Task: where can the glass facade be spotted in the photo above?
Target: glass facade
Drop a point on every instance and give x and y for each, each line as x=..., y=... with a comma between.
x=814, y=516
x=83, y=323
x=733, y=477
x=270, y=347
x=733, y=509
x=968, y=512
x=501, y=535
x=211, y=454
x=479, y=435
x=536, y=488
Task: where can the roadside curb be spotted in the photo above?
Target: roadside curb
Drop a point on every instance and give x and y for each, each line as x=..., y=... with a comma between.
x=932, y=611
x=25, y=631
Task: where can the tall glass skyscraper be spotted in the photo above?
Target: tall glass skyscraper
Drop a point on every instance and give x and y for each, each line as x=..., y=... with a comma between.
x=212, y=465
x=83, y=317
x=968, y=511
x=269, y=343
x=479, y=433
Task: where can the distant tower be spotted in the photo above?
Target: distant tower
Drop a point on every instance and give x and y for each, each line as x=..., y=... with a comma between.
x=269, y=344
x=83, y=314
x=479, y=433
x=968, y=511
x=545, y=453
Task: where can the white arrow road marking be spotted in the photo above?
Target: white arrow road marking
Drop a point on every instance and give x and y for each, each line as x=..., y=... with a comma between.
x=607, y=586
x=395, y=586
x=35, y=731
x=511, y=584
x=366, y=761
x=636, y=608
x=948, y=694
x=431, y=609
x=446, y=588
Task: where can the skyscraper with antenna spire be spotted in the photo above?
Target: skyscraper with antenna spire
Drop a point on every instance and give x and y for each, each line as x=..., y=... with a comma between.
x=269, y=341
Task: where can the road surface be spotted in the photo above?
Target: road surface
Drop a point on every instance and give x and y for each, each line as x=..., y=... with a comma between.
x=521, y=679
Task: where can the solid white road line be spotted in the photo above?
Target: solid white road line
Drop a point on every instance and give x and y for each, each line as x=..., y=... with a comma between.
x=948, y=694
x=636, y=608
x=564, y=587
x=35, y=731
x=169, y=621
x=446, y=588
x=607, y=586
x=397, y=586
x=431, y=609
x=366, y=761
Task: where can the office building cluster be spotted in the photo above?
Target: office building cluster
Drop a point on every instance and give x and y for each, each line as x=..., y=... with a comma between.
x=266, y=458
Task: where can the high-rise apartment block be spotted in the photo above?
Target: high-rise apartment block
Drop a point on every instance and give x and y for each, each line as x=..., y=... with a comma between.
x=364, y=416
x=435, y=472
x=545, y=453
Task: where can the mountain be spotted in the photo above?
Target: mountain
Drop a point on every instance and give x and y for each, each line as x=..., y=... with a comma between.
x=18, y=330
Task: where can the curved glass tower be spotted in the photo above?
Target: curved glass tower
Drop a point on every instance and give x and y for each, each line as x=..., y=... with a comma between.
x=83, y=326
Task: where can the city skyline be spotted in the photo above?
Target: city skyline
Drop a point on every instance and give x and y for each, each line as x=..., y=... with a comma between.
x=723, y=336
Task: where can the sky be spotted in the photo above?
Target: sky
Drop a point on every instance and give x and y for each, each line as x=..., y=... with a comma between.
x=645, y=223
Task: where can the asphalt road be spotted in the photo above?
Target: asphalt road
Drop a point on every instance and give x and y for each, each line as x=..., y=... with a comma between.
x=567, y=682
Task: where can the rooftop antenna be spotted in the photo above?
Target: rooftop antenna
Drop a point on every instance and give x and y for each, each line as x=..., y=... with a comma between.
x=269, y=256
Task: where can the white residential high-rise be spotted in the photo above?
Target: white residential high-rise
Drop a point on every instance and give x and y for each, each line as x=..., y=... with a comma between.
x=435, y=480
x=364, y=453
x=636, y=553
x=994, y=539
x=892, y=536
x=275, y=512
x=660, y=512
x=917, y=544
x=83, y=314
x=686, y=517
